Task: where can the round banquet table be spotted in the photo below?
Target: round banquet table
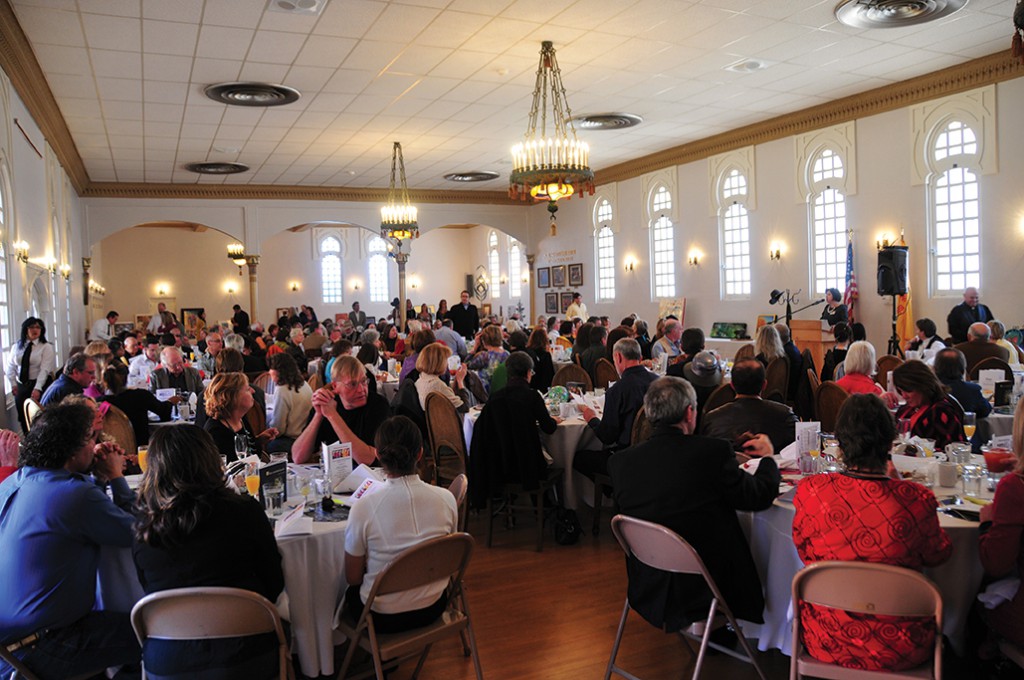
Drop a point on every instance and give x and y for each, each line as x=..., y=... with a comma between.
x=770, y=534
x=571, y=435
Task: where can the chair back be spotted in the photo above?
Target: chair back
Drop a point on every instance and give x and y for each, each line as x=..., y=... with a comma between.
x=256, y=418
x=432, y=560
x=208, y=612
x=572, y=373
x=776, y=376
x=722, y=395
x=604, y=373
x=989, y=364
x=745, y=352
x=315, y=381
x=444, y=434
x=807, y=360
x=32, y=410
x=314, y=353
x=886, y=363
x=642, y=428
x=117, y=425
x=865, y=588
x=460, y=488
x=262, y=381
x=828, y=399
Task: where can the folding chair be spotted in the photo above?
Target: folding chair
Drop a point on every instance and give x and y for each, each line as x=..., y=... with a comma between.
x=209, y=613
x=32, y=410
x=864, y=588
x=459, y=487
x=440, y=558
x=661, y=548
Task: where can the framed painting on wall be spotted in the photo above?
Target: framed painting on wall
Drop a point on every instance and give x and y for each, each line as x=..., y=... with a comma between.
x=558, y=276
x=124, y=328
x=142, y=320
x=566, y=300
x=282, y=311
x=551, y=303
x=543, y=277
x=576, y=275
x=485, y=309
x=190, y=316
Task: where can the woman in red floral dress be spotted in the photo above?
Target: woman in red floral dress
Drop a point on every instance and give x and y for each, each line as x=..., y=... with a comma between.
x=931, y=412
x=863, y=514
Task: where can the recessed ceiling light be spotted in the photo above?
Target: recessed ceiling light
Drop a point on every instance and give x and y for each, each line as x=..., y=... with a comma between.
x=747, y=66
x=251, y=94
x=216, y=168
x=607, y=121
x=225, y=149
x=297, y=6
x=894, y=13
x=472, y=176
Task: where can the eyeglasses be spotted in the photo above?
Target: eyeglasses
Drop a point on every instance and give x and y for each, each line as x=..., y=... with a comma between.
x=355, y=384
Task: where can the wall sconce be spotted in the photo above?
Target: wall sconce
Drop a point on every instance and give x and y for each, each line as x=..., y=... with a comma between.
x=504, y=280
x=693, y=257
x=96, y=288
x=230, y=288
x=356, y=284
x=293, y=286
x=775, y=250
x=49, y=264
x=630, y=264
x=21, y=251
x=161, y=289
x=65, y=271
x=236, y=253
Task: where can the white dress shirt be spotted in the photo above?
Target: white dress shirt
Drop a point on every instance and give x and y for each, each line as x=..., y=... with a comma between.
x=41, y=363
x=140, y=367
x=101, y=330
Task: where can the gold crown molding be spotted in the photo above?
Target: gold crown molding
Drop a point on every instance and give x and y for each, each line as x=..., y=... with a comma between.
x=994, y=68
x=268, y=192
x=19, y=63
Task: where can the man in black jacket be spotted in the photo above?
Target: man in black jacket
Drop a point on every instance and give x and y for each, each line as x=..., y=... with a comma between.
x=751, y=413
x=693, y=485
x=967, y=312
x=465, y=318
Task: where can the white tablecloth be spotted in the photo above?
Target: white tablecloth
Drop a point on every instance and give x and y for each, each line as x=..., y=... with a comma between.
x=771, y=544
x=388, y=390
x=571, y=435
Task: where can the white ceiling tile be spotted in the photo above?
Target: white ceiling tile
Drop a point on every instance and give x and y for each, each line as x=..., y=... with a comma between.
x=263, y=72
x=451, y=29
x=349, y=81
x=190, y=11
x=275, y=47
x=162, y=113
x=348, y=20
x=501, y=34
x=234, y=13
x=401, y=23
x=65, y=60
x=288, y=23
x=119, y=89
x=112, y=33
x=72, y=87
x=110, y=64
x=164, y=93
x=209, y=71
x=117, y=8
x=373, y=55
x=169, y=37
x=419, y=59
x=308, y=79
x=325, y=51
x=85, y=125
x=125, y=127
x=51, y=27
x=167, y=68
x=223, y=42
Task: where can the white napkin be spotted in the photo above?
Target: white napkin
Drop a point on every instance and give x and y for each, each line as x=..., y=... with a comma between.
x=790, y=452
x=999, y=592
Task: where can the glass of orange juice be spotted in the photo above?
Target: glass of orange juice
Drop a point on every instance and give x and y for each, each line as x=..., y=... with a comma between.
x=143, y=457
x=970, y=424
x=252, y=478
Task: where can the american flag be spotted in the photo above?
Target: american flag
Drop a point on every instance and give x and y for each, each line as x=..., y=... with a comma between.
x=851, y=294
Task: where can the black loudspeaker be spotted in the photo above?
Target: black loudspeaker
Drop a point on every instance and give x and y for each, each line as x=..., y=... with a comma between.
x=892, y=270
x=470, y=284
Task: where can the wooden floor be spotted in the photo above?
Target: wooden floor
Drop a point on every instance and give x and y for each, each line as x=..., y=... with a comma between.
x=553, y=615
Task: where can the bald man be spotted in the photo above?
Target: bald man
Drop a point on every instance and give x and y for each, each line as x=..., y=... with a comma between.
x=967, y=312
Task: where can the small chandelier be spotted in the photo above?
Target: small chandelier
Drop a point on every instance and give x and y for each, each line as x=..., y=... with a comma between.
x=550, y=167
x=236, y=253
x=398, y=217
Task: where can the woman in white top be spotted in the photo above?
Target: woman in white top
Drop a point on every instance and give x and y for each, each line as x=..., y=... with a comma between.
x=30, y=380
x=402, y=512
x=999, y=338
x=293, y=400
x=432, y=363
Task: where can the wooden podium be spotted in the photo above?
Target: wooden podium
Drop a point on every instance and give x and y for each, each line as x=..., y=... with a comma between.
x=807, y=334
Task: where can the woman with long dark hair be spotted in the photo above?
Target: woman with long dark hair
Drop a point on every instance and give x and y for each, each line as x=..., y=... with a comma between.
x=293, y=401
x=30, y=374
x=192, y=530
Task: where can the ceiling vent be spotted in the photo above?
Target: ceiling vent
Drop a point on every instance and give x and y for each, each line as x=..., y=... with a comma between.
x=747, y=66
x=607, y=121
x=216, y=168
x=473, y=176
x=305, y=7
x=251, y=94
x=894, y=13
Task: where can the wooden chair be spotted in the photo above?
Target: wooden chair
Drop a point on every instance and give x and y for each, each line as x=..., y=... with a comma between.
x=604, y=373
x=642, y=428
x=263, y=380
x=805, y=387
x=814, y=383
x=257, y=419
x=445, y=440
x=991, y=363
x=315, y=381
x=722, y=395
x=119, y=428
x=663, y=549
x=828, y=399
x=864, y=588
x=572, y=373
x=314, y=353
x=744, y=352
x=886, y=363
x=515, y=497
x=32, y=409
x=459, y=488
x=209, y=613
x=440, y=558
x=776, y=377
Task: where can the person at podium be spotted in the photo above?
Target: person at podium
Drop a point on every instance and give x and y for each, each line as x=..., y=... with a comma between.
x=835, y=310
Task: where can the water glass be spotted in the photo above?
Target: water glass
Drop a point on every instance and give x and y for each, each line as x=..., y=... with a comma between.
x=273, y=498
x=971, y=480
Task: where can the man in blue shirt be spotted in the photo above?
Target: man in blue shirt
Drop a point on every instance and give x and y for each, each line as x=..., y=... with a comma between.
x=448, y=336
x=79, y=372
x=53, y=521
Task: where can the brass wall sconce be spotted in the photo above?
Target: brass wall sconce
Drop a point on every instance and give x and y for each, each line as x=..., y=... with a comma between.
x=21, y=251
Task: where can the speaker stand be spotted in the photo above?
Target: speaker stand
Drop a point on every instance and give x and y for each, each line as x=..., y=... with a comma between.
x=894, y=340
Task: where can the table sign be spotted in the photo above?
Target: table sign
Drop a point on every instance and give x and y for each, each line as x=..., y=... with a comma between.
x=806, y=437
x=988, y=378
x=1003, y=442
x=273, y=473
x=337, y=460
x=165, y=393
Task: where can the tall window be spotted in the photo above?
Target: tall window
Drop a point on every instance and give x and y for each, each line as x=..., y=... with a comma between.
x=828, y=222
x=735, y=228
x=605, y=252
x=330, y=269
x=378, y=265
x=956, y=223
x=5, y=306
x=515, y=270
x=494, y=265
x=662, y=245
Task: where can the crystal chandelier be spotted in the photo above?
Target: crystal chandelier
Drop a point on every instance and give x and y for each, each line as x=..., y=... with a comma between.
x=398, y=217
x=550, y=167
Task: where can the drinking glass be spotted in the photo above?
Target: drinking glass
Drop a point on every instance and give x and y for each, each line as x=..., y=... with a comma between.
x=241, y=446
x=970, y=424
x=305, y=483
x=970, y=480
x=143, y=457
x=453, y=364
x=252, y=478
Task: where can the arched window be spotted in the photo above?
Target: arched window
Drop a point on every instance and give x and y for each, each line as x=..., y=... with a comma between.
x=605, y=249
x=734, y=226
x=663, y=269
x=378, y=266
x=330, y=269
x=828, y=222
x=494, y=265
x=954, y=209
x=515, y=270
